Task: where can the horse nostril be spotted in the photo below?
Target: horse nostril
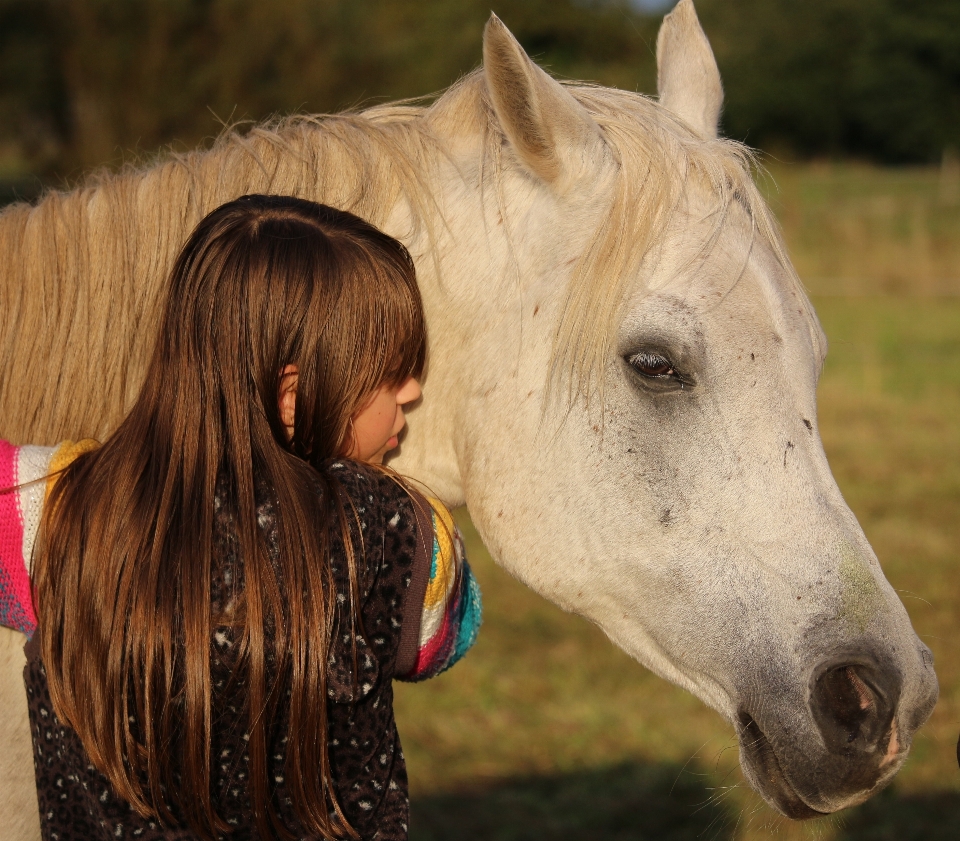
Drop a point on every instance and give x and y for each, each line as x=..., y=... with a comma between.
x=847, y=698
x=853, y=705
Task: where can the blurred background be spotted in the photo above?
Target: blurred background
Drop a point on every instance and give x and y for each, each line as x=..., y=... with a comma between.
x=546, y=731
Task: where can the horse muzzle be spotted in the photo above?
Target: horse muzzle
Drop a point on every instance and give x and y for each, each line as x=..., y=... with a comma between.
x=860, y=733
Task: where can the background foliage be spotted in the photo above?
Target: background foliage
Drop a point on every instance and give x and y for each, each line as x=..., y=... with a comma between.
x=83, y=82
x=873, y=78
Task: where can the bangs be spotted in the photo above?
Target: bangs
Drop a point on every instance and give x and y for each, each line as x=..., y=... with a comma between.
x=396, y=338
x=362, y=328
x=406, y=354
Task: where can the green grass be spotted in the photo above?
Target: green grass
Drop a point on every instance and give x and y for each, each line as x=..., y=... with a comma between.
x=546, y=731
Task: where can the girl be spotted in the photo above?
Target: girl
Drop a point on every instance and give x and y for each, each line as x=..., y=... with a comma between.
x=225, y=588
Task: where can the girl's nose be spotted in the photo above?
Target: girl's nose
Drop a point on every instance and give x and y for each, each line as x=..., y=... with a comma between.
x=408, y=392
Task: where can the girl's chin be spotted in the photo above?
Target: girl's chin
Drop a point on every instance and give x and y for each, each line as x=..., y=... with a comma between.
x=381, y=454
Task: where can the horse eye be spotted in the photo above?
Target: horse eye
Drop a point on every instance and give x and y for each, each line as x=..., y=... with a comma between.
x=652, y=365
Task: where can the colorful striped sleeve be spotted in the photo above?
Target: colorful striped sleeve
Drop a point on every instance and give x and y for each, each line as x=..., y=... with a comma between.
x=451, y=610
x=22, y=494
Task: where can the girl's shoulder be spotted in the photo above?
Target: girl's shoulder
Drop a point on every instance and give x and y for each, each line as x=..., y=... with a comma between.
x=381, y=515
x=375, y=497
x=413, y=571
x=359, y=476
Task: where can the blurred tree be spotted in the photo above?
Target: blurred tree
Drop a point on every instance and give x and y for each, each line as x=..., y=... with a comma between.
x=906, y=81
x=32, y=97
x=83, y=82
x=873, y=78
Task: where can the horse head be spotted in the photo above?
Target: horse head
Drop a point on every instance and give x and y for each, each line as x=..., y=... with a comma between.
x=623, y=389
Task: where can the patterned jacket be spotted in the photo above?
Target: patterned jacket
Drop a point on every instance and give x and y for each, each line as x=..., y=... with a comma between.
x=420, y=608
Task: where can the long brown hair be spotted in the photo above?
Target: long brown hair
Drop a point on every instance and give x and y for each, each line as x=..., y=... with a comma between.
x=126, y=552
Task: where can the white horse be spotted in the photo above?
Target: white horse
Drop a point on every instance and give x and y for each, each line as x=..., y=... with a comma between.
x=621, y=386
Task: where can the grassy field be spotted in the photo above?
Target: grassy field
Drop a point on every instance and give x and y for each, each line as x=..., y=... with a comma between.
x=547, y=732
x=859, y=230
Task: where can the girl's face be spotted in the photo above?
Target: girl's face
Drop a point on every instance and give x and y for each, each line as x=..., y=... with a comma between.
x=377, y=424
x=373, y=428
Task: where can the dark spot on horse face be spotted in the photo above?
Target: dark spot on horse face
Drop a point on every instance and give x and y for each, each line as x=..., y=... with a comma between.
x=787, y=450
x=752, y=357
x=665, y=518
x=808, y=425
x=536, y=309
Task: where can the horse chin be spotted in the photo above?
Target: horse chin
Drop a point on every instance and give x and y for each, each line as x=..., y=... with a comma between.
x=760, y=765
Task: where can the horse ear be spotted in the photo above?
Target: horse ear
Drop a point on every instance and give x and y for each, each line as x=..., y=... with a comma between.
x=687, y=76
x=552, y=133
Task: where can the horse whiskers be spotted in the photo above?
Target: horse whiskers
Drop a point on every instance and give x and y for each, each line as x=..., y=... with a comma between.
x=692, y=757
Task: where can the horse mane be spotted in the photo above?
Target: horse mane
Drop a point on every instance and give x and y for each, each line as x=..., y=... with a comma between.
x=84, y=273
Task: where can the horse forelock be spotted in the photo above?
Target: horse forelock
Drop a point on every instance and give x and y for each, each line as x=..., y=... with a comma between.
x=660, y=161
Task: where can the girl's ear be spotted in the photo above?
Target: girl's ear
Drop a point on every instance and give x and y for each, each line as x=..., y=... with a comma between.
x=288, y=397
